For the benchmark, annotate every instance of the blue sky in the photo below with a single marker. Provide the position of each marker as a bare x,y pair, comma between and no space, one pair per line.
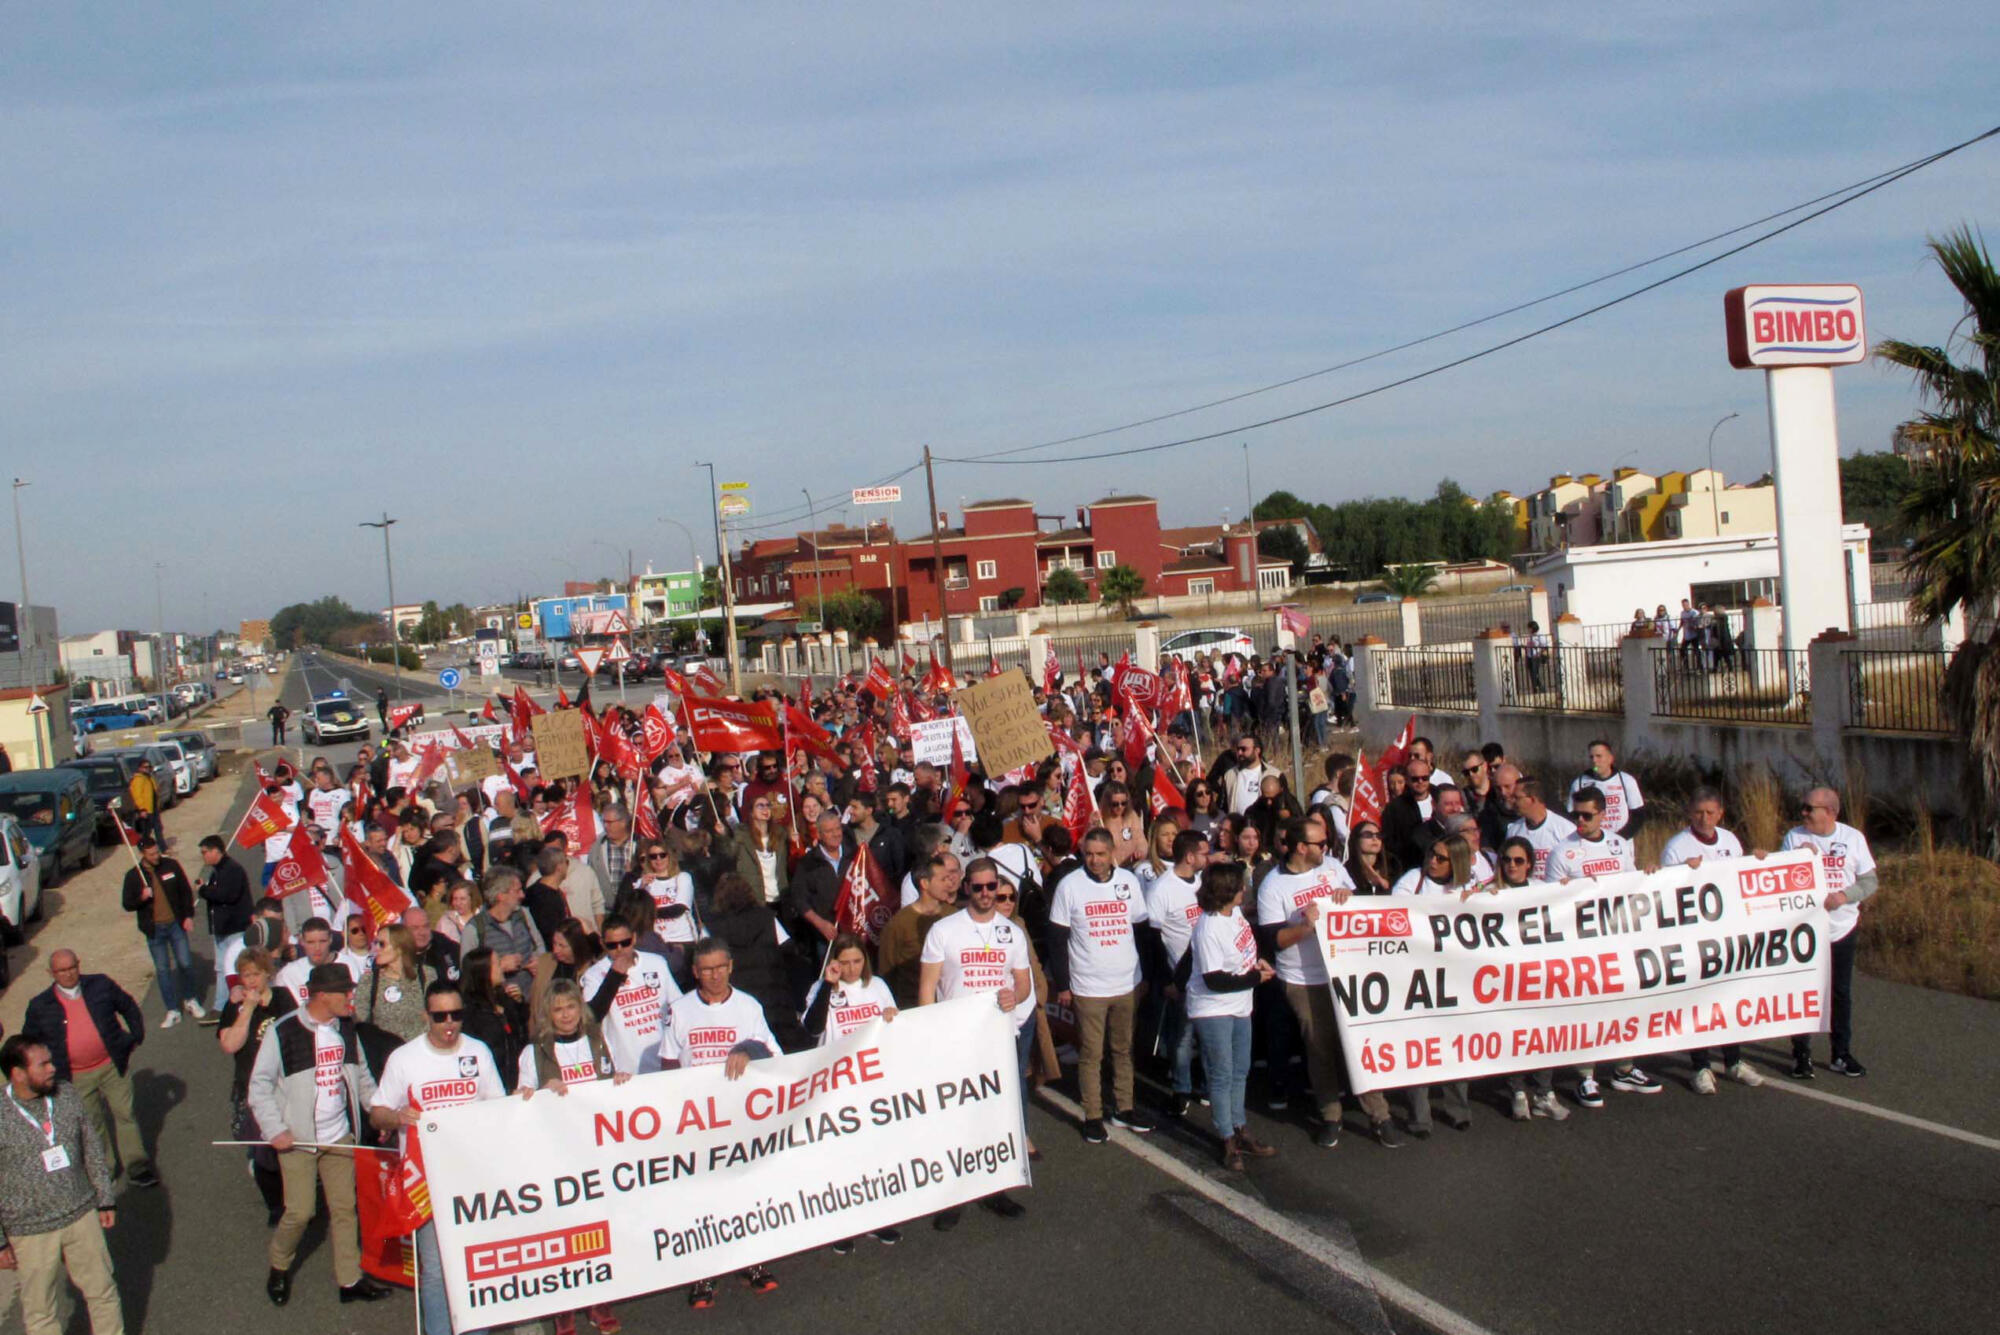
509,270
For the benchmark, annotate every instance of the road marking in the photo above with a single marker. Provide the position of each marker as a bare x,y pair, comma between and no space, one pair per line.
1393,1291
1786,1086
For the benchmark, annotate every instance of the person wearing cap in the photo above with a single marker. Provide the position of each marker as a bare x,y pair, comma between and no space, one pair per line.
312,1120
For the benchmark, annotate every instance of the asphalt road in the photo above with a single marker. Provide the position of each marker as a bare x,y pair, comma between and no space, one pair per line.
1753,1211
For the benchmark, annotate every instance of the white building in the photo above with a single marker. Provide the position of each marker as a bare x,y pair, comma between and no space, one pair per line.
1603,585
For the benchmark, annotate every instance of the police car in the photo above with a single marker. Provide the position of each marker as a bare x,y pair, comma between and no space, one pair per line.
334,718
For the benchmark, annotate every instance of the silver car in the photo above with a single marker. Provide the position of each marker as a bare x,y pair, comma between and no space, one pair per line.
199,748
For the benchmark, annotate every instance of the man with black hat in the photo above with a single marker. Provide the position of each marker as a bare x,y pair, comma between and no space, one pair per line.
308,1091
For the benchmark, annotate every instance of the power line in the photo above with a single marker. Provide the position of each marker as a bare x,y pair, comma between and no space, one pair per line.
784,517
998,458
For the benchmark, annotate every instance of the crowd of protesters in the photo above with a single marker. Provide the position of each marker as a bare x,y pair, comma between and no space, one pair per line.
1152,899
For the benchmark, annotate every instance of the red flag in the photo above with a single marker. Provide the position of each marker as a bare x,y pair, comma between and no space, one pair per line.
909,663
302,867
429,757
1296,621
1398,751
864,906
524,713
1082,668
1179,697
1062,741
585,822
1079,807
673,681
921,712
1164,796
1136,685
939,681
382,1211
487,713
562,698
1139,735
878,681
992,666
734,725
1368,792
517,781
619,751
1051,671
658,732
368,886
401,714
803,734
899,716
645,820
266,819
593,732
458,735
407,1192
865,749
702,675
961,777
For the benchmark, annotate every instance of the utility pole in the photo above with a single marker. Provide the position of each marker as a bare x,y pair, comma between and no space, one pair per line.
728,587
395,634
1714,502
819,578
160,645
937,561
1250,518
26,627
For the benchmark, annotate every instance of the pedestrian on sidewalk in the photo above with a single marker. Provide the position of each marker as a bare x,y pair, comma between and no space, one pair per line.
160,898
279,716
55,1196
90,1026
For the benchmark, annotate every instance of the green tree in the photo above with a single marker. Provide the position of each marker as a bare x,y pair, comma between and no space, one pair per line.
853,611
1953,509
1872,488
328,621
1065,586
1121,586
1410,581
1284,542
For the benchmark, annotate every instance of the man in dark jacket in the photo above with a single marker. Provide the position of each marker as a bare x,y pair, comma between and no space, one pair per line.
1403,819
90,1026
226,891
161,900
814,890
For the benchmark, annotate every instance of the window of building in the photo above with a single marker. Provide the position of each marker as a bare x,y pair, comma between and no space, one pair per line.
989,570
1106,560
1725,516
1201,586
1274,579
990,602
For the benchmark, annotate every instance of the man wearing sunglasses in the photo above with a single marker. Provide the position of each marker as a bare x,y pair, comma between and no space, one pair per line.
1591,852
441,1068
1847,869
1706,838
1243,782
628,990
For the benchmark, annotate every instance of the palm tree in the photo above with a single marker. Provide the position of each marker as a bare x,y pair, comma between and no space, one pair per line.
1409,580
1954,509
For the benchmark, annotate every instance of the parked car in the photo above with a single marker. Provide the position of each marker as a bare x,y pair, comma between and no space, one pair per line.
1376,596
163,770
20,876
334,720
185,778
199,747
107,718
1520,588
1216,642
107,774
58,814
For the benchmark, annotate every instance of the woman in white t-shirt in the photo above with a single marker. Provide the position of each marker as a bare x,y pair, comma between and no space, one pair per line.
1218,973
1159,851
672,890
848,995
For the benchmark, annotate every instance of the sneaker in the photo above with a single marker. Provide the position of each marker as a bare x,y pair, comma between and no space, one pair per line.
1632,1080
171,1019
1002,1204
1517,1106
1420,1130
1743,1073
1802,1067
1276,1103
1135,1120
1847,1066
845,1247
1177,1105
1326,1135
1704,1081
759,1280
143,1176
605,1319
565,1323
944,1221
1588,1094
701,1294
1385,1134
194,1010
1549,1106
888,1237
1094,1132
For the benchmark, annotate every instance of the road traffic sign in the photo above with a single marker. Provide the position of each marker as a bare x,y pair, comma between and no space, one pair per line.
619,653
450,678
591,659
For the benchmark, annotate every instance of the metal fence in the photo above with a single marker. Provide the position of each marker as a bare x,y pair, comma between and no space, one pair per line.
1602,635
1425,678
1885,625
1750,686
1382,620
1573,678
1897,690
1110,642
1445,620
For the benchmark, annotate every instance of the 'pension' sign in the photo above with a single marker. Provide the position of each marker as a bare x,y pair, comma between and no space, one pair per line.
1806,324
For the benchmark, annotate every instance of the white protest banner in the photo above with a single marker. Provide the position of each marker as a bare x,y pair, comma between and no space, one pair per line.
484,734
1429,988
611,1191
931,740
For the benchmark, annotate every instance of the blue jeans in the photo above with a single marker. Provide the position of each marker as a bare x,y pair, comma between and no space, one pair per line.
431,1300
1177,1042
172,964
1225,1052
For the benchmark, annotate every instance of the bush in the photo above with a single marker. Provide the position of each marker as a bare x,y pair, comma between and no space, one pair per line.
1934,921
411,660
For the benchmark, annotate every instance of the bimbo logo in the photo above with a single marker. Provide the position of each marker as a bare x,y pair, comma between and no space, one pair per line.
1806,325
1367,923
490,1260
1756,882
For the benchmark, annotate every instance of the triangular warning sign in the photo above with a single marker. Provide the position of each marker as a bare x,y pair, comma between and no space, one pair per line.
592,659
619,653
615,624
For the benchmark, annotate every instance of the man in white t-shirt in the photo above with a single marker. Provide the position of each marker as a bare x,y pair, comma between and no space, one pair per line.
1705,838
1170,903
980,950
1289,901
441,1068
327,803
1589,853
716,1024
632,1006
1847,869
1541,827
1094,922
1623,807
315,948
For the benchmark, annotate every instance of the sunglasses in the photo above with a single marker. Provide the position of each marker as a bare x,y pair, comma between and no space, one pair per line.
1516,860
1472,769
976,886
620,943
656,857
448,1017
1005,899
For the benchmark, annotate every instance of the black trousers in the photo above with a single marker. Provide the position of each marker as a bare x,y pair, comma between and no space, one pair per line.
1842,1017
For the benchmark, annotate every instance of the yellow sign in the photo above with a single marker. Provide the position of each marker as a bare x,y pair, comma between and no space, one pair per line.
736,486
524,621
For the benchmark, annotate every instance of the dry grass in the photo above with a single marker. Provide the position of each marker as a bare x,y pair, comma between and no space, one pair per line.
1935,922
1759,807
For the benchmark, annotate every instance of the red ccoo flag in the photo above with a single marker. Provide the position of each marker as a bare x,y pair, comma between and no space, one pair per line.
658,732
1368,792
878,681
368,886
734,725
266,819
1398,751
1164,796
1079,807
302,868
864,906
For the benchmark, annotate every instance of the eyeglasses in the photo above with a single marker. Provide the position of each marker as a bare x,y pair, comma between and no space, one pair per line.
448,1017
657,857
1031,807
1418,778
982,885
619,944
1472,769
1583,815
1440,857
1516,860
1005,899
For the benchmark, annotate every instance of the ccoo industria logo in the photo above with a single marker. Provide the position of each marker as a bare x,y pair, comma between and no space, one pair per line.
1798,325
490,1260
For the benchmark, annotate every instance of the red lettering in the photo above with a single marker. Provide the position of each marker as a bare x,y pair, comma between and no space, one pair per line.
1762,328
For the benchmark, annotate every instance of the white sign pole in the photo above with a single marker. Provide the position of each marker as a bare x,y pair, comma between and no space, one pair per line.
1805,449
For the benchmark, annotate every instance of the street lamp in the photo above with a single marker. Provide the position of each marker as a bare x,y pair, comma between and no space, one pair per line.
160,643
1714,503
819,579
728,591
395,634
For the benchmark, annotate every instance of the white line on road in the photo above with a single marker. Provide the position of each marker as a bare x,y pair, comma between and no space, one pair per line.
1392,1291
1886,1114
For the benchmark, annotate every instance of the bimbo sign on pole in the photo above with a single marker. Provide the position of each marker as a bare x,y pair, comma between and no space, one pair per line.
1795,334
